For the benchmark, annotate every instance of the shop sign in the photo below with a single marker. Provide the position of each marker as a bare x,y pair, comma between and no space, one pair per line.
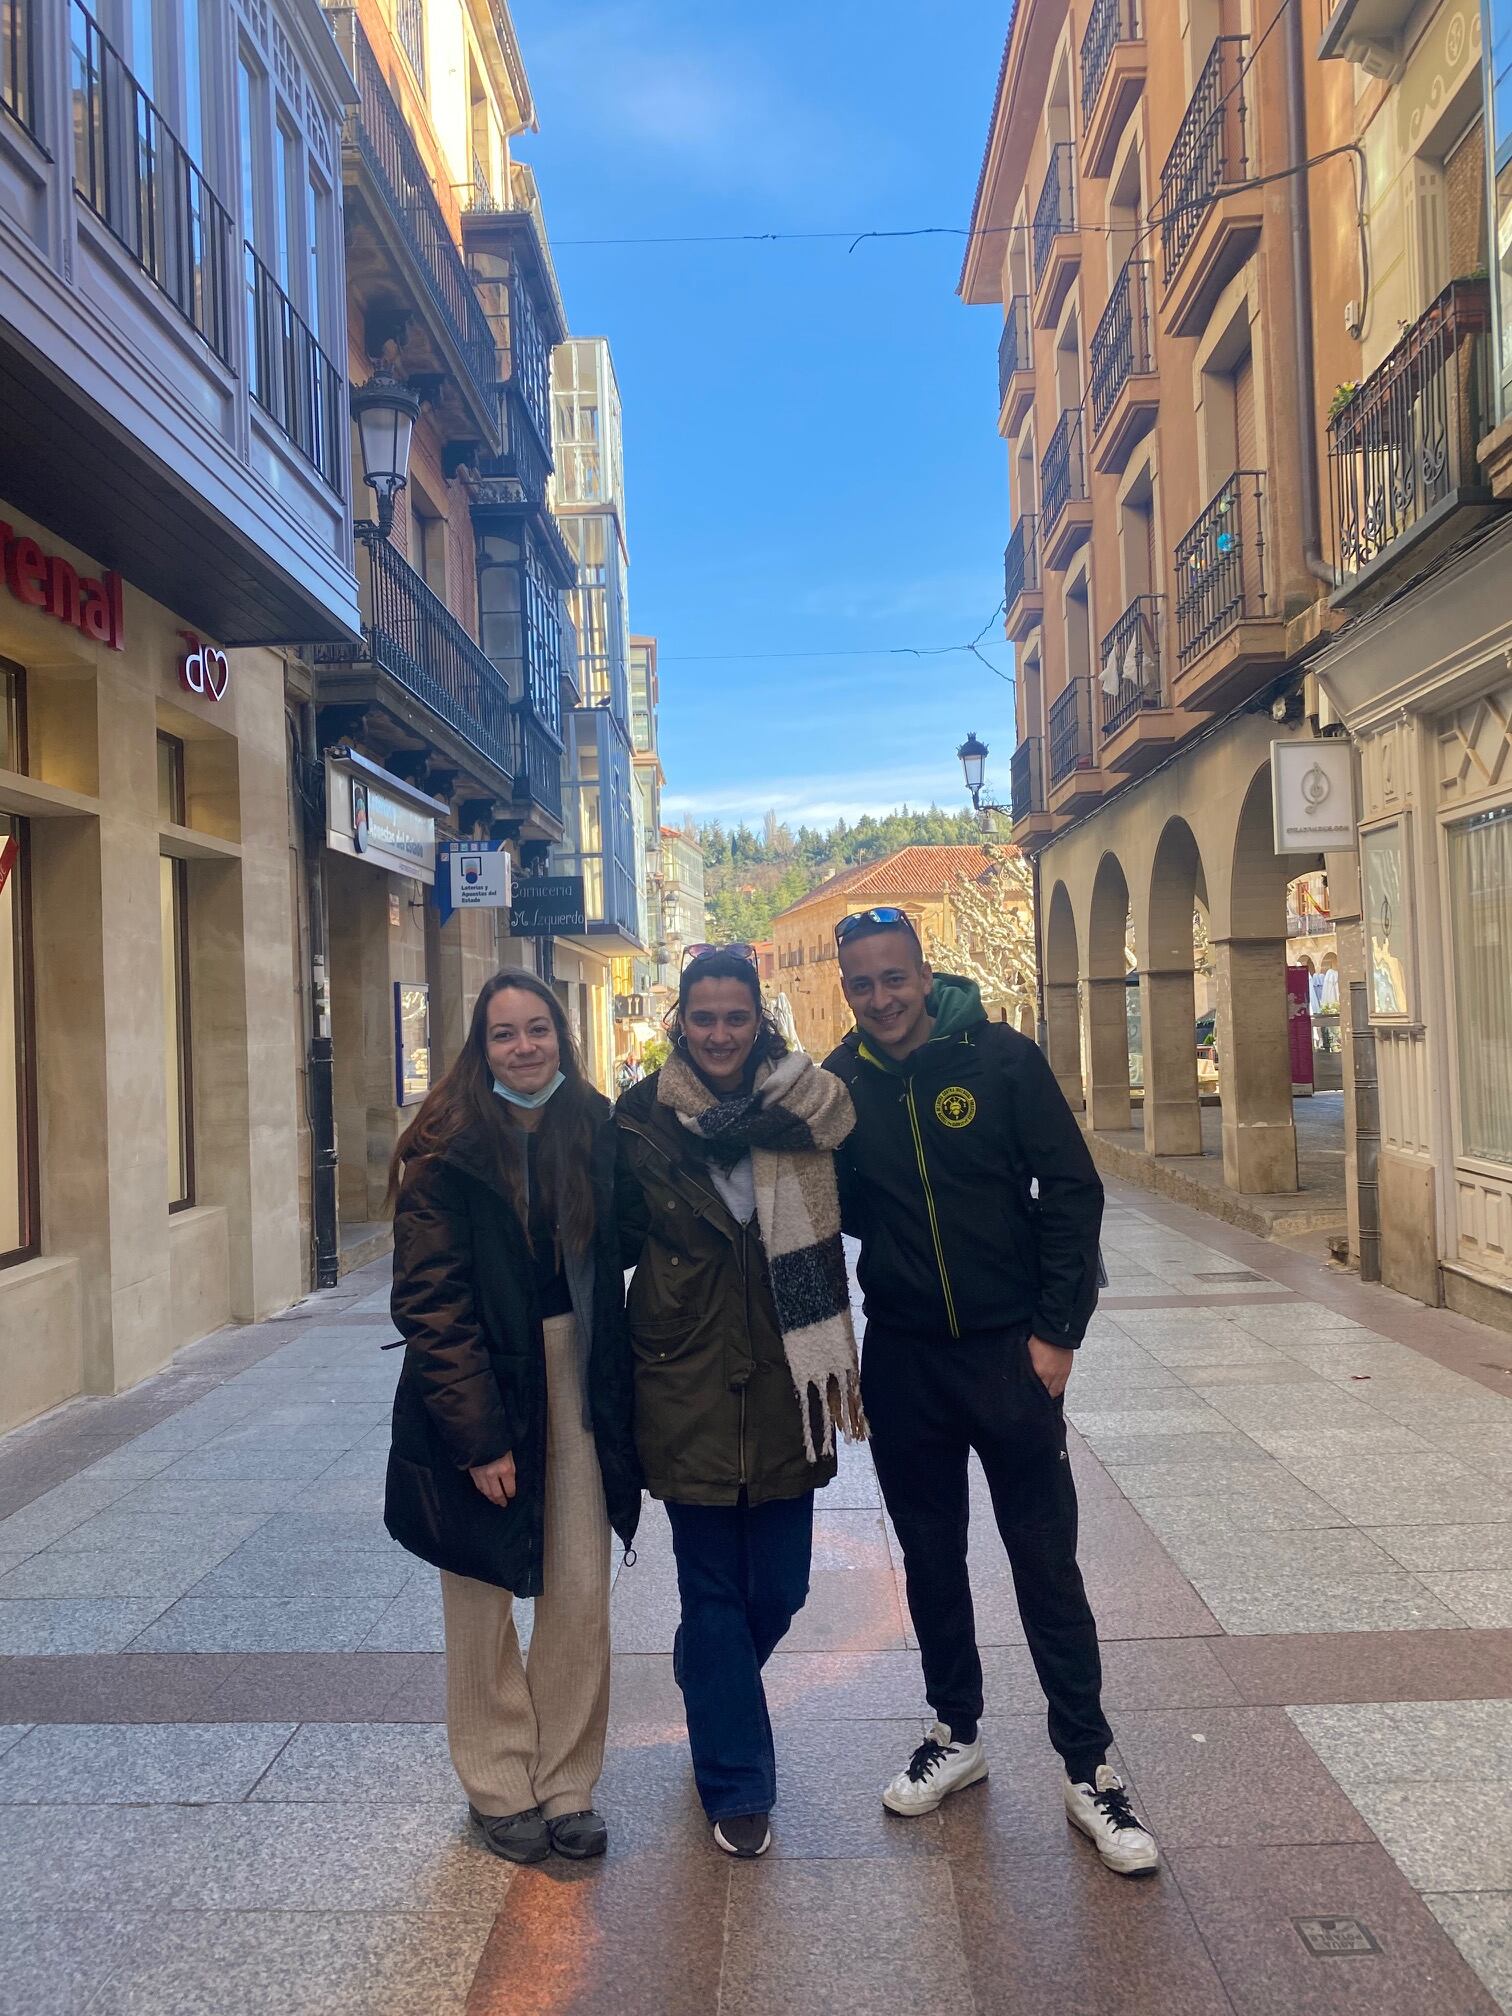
380,818
47,581
412,1057
472,875
203,669
548,906
10,851
1312,796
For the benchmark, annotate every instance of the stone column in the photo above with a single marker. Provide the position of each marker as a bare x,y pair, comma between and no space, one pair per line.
1168,1020
1064,1033
1105,1006
1254,1066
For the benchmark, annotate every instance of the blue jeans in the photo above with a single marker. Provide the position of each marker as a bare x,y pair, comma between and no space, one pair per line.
743,1575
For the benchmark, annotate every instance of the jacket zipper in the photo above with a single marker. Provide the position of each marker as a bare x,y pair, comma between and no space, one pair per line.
929,1205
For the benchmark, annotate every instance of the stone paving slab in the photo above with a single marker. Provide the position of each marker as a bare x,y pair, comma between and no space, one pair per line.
1296,1507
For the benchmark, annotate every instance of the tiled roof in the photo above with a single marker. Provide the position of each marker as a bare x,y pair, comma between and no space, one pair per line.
920,870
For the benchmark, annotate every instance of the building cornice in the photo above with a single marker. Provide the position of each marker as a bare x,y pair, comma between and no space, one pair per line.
1028,51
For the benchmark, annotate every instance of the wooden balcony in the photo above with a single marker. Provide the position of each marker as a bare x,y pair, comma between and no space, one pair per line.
1139,724
1032,821
1055,238
1065,496
1209,223
1113,62
1403,473
1015,366
1023,596
1076,782
1125,387
1230,633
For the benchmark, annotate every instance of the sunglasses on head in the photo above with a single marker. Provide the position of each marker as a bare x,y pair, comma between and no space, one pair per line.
883,918
691,953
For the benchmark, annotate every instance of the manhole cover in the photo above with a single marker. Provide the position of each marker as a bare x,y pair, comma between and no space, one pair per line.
1335,1938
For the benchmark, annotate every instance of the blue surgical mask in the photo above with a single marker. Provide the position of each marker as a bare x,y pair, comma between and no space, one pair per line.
531,1100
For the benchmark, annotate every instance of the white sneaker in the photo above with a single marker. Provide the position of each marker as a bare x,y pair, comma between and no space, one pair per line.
936,1769
1103,1813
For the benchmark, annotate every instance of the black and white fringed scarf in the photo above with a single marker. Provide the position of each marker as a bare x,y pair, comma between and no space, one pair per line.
790,1125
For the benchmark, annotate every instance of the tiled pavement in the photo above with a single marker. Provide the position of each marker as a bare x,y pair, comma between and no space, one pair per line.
224,1785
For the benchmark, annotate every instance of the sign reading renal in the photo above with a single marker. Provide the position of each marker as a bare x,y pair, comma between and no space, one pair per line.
46,581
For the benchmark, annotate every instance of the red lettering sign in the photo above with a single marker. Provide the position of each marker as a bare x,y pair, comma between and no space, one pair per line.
46,581
203,669
10,850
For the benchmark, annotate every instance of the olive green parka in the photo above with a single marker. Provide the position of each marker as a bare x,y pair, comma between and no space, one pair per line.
716,1412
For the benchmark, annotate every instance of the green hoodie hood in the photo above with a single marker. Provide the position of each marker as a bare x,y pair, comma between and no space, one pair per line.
955,1006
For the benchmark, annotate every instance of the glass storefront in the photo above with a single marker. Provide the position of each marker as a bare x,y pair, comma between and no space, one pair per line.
173,903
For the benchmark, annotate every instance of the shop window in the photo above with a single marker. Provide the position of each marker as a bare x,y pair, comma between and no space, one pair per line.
18,1134
173,901
12,719
1480,923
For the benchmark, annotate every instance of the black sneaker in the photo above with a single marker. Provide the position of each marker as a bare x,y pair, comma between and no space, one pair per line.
745,1836
578,1836
514,1837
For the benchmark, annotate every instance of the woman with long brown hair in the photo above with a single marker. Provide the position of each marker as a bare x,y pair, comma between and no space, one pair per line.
512,1453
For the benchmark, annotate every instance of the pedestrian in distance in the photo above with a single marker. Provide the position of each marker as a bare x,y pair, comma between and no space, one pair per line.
513,1454
978,1208
745,1360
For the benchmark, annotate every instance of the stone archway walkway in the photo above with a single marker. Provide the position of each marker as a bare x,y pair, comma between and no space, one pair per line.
224,1783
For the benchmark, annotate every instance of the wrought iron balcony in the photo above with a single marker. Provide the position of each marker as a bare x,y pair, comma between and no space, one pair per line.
132,172
1210,151
1221,567
410,634
1021,574
1015,345
1055,211
19,66
1027,779
538,781
392,158
1401,452
1130,660
1121,343
292,379
1110,22
1070,726
1063,471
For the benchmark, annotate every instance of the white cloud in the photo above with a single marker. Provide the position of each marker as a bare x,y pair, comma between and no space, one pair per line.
821,800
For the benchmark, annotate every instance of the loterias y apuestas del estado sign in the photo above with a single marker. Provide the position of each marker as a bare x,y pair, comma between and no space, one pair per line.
47,581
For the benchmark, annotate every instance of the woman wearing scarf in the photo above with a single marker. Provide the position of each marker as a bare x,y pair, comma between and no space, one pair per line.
745,1361
512,1454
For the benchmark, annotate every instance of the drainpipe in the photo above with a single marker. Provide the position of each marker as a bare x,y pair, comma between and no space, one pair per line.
1301,258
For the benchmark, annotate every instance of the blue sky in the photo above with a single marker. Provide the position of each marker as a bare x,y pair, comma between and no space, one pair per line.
811,460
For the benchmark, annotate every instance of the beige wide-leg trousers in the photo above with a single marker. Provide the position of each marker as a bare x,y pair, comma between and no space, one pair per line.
530,1732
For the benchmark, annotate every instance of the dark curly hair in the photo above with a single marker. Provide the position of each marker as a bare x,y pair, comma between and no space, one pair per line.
770,1041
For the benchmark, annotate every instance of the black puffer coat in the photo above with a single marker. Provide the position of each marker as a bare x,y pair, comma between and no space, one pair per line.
473,1385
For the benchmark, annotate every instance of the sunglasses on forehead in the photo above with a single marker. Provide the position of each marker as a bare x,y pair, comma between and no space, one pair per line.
691,953
884,918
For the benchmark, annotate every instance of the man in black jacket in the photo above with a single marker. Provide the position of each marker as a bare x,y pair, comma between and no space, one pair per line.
978,1210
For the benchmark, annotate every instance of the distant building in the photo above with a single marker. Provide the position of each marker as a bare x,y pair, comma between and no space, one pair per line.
685,920
917,880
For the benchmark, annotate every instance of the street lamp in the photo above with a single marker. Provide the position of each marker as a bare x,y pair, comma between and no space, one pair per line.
973,755
385,410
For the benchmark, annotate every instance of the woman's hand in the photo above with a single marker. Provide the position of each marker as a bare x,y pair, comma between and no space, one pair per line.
496,1480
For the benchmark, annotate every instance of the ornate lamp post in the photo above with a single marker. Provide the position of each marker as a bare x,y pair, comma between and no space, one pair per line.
385,410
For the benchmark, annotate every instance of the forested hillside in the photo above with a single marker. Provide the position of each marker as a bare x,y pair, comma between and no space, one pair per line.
750,875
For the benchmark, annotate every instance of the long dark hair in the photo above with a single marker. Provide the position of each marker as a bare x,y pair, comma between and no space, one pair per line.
464,1102
770,1041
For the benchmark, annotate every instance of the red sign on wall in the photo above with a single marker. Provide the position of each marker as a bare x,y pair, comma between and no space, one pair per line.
47,581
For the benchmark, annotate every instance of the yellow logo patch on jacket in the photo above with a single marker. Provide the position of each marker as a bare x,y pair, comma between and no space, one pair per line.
955,1107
